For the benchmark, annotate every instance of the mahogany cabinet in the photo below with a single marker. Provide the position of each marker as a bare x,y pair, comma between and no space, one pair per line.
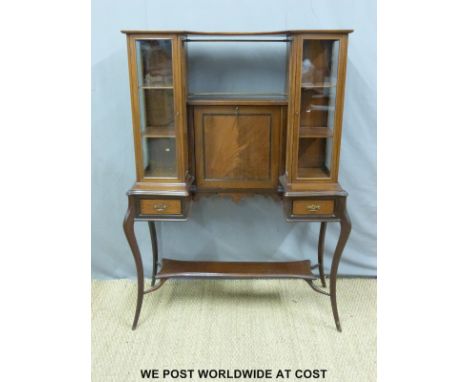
237,114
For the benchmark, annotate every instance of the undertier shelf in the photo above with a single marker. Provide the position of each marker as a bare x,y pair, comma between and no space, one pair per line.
235,270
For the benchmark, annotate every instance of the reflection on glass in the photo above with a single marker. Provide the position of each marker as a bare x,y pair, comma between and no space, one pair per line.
316,107
158,110
319,71
319,62
159,157
238,69
154,60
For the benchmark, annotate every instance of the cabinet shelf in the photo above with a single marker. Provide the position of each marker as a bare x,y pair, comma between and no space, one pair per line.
159,132
313,172
160,172
160,87
316,108
237,96
315,132
318,85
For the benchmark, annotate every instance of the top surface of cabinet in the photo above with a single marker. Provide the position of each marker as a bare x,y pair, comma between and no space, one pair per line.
293,31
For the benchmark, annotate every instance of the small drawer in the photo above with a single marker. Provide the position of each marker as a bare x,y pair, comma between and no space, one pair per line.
160,207
313,207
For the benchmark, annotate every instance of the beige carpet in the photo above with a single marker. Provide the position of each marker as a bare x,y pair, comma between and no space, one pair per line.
238,324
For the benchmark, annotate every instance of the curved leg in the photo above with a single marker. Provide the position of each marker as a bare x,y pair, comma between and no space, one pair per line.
344,234
154,246
321,243
311,283
129,230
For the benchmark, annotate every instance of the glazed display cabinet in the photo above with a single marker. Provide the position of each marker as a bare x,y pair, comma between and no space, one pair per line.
233,115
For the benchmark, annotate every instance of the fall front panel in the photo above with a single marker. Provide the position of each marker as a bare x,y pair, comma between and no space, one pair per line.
237,146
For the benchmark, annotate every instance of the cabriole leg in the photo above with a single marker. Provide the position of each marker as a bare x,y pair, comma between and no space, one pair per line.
321,244
154,246
129,230
345,224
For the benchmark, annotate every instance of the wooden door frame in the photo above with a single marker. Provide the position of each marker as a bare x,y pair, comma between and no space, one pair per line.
180,117
295,105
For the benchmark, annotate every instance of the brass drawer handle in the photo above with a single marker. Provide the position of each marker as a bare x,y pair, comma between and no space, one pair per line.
313,207
160,207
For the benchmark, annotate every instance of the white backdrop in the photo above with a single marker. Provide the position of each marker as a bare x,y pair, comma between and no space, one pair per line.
219,229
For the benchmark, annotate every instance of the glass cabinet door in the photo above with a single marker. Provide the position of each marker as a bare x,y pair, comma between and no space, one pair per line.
318,80
156,101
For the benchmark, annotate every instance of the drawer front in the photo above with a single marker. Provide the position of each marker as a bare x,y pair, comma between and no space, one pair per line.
313,207
160,207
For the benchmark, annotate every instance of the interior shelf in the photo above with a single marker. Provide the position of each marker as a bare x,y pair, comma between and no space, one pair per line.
317,108
315,132
159,132
319,85
160,172
237,96
237,101
158,87
222,270
313,172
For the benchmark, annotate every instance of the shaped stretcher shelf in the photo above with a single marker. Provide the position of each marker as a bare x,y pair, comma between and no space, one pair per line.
236,270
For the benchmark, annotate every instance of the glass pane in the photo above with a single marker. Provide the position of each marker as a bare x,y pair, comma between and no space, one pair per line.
313,158
237,69
159,157
319,71
158,110
155,57
157,120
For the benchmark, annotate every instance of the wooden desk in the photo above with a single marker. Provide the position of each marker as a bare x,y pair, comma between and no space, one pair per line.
193,144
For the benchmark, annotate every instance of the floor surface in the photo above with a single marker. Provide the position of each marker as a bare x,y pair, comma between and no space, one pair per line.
234,324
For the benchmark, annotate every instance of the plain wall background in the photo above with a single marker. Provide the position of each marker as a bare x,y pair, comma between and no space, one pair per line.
219,229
